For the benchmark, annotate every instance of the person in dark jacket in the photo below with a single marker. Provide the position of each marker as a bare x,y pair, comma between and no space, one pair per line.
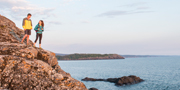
39,28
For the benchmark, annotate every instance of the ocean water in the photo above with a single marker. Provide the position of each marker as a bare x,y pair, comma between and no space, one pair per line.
159,73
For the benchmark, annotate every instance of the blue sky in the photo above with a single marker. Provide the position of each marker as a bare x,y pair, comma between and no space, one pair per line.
140,27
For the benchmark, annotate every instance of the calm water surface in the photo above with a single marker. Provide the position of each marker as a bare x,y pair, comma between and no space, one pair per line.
159,73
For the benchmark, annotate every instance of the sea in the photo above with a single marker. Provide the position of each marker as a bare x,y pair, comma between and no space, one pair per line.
159,73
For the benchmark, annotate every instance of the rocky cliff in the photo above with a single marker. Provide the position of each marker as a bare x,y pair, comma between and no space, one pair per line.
27,68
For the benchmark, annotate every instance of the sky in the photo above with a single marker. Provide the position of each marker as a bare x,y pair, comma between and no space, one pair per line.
133,27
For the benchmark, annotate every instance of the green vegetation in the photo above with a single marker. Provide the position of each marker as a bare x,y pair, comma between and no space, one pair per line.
79,56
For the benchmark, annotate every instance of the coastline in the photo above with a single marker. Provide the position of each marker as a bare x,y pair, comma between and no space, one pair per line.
93,60
89,57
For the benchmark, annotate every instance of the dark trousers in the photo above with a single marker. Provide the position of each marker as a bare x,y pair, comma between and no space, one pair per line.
40,38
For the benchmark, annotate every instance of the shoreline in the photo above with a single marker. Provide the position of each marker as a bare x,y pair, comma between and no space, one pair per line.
92,60
89,57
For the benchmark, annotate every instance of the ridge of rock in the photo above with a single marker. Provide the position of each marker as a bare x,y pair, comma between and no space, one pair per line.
26,67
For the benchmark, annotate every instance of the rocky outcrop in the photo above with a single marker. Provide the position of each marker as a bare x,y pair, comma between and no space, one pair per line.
125,80
93,89
24,67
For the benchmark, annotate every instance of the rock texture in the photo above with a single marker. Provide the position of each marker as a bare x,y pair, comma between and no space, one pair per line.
24,67
125,80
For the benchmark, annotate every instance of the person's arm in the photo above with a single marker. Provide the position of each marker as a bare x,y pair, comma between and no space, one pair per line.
42,29
23,24
36,27
31,24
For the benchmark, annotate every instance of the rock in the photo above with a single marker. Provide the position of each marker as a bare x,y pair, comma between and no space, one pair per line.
47,56
93,89
25,67
92,79
125,80
29,51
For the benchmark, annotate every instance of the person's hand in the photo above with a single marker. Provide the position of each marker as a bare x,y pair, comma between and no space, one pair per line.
24,29
42,29
38,28
31,28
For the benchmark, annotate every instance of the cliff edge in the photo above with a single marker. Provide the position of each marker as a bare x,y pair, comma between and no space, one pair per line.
27,68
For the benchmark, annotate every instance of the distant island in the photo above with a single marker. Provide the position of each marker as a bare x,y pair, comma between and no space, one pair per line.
88,56
138,56
141,56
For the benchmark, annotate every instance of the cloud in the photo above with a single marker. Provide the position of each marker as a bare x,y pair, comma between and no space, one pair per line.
134,4
143,12
113,13
136,8
143,8
54,22
11,3
22,7
85,22
118,13
67,1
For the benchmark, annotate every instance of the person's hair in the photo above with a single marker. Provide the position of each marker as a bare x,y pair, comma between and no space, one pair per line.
29,14
42,23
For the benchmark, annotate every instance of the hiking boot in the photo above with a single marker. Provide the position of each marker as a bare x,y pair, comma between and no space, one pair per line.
34,46
28,45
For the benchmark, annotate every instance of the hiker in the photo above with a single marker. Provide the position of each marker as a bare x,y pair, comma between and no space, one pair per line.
27,25
39,28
